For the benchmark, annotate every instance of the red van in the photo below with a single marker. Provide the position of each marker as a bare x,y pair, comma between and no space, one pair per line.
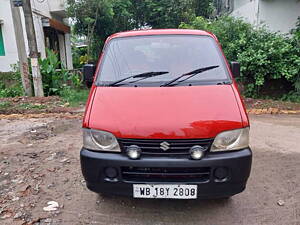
164,118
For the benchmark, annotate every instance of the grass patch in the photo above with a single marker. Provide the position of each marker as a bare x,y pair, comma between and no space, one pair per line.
10,84
74,97
31,106
5,105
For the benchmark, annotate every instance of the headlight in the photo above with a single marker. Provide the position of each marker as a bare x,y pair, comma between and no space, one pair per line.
100,141
231,140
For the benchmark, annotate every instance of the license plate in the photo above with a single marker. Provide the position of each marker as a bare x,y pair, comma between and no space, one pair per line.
174,191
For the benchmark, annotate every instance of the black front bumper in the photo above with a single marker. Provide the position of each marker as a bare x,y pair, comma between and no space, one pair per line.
237,164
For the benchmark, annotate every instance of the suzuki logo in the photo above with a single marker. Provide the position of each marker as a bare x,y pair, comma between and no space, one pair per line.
165,146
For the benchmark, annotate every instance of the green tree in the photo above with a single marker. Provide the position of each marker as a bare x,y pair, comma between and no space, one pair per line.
204,8
97,19
167,13
266,58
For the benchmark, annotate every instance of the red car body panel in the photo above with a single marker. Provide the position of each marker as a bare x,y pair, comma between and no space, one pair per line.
160,32
165,112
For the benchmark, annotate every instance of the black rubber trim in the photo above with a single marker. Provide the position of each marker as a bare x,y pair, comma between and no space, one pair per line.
238,164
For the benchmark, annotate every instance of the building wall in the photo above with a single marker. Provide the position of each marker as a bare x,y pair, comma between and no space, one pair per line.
11,53
49,8
40,10
277,15
8,32
41,7
246,9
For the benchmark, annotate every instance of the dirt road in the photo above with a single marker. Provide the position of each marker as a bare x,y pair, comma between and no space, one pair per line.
39,163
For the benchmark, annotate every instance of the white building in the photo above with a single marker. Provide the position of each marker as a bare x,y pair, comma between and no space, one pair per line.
277,15
52,31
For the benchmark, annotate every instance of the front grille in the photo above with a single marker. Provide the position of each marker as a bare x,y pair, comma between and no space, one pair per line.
176,146
158,174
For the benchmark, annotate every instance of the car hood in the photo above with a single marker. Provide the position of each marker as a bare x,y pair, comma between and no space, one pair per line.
165,112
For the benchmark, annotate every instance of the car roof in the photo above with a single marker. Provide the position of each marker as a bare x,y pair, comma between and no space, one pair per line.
161,32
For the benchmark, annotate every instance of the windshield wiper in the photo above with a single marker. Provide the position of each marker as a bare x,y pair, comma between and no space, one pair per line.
192,74
141,75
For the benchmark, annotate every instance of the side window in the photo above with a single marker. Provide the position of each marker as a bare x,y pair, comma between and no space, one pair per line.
2,51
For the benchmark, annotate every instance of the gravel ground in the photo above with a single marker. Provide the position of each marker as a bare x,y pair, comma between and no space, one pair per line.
39,163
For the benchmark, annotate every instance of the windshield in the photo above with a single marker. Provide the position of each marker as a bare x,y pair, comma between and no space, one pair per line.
176,54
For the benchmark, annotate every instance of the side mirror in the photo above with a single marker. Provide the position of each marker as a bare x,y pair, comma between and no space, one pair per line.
88,74
235,69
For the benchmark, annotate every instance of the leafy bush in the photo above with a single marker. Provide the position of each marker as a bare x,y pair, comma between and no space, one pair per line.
80,56
31,106
296,42
10,83
55,76
264,56
292,96
5,105
11,91
56,81
73,96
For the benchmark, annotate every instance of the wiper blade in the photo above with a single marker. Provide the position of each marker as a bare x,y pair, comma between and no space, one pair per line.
141,75
192,74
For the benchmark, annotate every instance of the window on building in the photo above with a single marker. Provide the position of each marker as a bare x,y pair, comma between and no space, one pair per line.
2,51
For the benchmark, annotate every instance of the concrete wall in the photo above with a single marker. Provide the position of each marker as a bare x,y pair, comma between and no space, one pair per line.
11,53
48,8
57,5
246,9
41,7
277,15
